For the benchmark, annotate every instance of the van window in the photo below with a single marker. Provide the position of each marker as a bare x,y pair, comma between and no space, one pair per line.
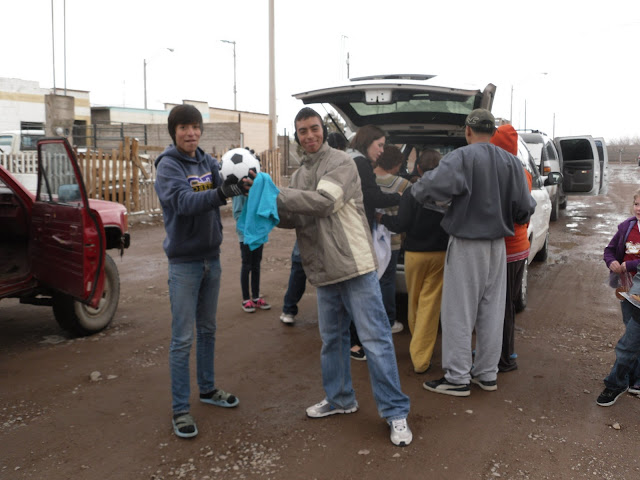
29,141
551,152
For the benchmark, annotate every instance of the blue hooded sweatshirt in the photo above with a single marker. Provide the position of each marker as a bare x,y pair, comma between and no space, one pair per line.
187,189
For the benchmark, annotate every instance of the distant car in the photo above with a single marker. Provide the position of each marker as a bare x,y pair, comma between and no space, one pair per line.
53,241
585,164
418,112
546,157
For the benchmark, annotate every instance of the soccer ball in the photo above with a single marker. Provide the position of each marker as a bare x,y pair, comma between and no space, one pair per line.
238,162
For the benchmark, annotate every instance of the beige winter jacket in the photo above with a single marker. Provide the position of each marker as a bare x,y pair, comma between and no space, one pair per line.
324,205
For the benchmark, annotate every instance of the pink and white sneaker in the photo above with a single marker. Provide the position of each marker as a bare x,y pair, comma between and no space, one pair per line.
261,304
248,306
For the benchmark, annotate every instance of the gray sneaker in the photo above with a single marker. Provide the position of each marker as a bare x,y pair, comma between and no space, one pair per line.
400,432
487,385
287,318
324,409
397,327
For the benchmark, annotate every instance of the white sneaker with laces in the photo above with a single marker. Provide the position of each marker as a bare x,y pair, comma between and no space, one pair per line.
288,318
400,432
397,327
324,409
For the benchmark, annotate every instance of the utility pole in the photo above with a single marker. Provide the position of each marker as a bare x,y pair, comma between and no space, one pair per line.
233,42
273,131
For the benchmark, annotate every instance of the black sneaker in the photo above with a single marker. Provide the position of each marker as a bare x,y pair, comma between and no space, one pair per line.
487,385
358,354
443,386
609,396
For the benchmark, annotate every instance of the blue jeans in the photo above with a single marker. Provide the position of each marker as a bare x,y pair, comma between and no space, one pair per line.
627,311
626,370
388,286
193,292
359,297
297,283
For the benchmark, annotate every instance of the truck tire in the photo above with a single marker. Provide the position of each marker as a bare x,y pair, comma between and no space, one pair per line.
80,319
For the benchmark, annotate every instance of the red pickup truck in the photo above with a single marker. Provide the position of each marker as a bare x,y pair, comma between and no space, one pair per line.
53,242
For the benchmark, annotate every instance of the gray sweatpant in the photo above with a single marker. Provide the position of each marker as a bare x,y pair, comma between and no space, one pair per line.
473,296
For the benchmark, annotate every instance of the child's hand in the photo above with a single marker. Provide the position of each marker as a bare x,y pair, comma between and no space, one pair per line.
615,267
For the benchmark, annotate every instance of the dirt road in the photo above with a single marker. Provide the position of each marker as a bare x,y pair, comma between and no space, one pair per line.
58,423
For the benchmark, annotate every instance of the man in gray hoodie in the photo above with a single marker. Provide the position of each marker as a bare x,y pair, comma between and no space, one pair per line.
485,191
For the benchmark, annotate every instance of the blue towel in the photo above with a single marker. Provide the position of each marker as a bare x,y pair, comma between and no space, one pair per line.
260,214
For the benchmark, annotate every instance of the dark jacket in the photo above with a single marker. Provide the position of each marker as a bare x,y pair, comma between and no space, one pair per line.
424,233
372,196
186,188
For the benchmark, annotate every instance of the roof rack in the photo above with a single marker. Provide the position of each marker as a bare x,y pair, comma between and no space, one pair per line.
396,76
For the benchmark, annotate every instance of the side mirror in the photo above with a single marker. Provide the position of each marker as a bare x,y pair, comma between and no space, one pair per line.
69,193
554,178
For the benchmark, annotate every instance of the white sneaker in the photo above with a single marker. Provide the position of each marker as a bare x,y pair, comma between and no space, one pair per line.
324,409
397,327
288,318
400,432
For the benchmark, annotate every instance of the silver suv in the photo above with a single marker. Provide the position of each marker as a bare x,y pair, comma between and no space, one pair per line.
419,112
546,157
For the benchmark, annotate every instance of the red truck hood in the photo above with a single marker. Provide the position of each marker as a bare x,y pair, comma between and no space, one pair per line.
111,213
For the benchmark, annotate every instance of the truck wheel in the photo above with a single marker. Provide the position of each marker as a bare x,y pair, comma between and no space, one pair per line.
81,319
521,302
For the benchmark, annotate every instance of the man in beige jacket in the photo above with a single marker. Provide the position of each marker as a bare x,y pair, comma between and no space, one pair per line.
324,205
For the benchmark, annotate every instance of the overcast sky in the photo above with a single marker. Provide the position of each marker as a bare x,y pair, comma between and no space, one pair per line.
572,61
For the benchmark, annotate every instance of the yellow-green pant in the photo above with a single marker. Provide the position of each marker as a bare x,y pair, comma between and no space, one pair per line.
424,273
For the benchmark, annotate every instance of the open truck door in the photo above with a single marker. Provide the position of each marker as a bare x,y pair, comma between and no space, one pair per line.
67,238
604,164
581,166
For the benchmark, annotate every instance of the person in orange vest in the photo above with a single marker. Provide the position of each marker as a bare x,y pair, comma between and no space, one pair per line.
517,256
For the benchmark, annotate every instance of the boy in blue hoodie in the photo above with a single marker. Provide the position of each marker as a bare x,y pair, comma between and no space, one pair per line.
190,191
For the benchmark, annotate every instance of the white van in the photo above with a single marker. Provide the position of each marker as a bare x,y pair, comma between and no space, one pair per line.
17,141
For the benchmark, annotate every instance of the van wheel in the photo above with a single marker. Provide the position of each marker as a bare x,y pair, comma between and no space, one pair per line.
80,319
521,302
555,206
542,255
562,198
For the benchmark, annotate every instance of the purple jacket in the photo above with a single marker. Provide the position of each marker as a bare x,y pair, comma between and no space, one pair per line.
615,249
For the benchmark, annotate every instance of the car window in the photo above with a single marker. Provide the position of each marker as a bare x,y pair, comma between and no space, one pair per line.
551,151
528,163
58,182
418,102
536,151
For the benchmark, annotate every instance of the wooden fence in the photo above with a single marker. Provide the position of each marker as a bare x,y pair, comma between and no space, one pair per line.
123,175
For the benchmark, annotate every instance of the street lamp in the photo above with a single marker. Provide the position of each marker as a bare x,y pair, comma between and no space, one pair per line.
233,42
145,62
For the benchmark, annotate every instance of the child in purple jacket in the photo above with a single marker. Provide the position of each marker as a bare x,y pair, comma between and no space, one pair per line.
622,255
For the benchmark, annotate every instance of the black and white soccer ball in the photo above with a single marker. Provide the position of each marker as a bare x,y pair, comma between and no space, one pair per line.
238,162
